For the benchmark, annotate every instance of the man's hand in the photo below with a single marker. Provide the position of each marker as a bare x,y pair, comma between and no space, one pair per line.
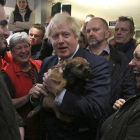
37,90
49,84
117,105
21,130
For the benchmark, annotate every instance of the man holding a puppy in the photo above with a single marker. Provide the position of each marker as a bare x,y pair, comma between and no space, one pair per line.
86,102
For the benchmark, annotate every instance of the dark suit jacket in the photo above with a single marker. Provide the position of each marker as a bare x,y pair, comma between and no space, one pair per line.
46,50
87,101
9,119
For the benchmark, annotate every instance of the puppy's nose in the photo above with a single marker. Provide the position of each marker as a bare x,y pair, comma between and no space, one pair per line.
88,72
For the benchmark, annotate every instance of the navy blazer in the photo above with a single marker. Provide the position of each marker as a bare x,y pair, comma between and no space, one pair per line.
87,101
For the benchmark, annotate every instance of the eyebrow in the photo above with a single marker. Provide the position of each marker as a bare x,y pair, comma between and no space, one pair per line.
3,22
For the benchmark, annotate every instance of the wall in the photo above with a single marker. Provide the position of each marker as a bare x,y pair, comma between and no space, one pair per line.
37,9
45,11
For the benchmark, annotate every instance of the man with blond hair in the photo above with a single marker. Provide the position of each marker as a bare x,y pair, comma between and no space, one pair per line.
85,102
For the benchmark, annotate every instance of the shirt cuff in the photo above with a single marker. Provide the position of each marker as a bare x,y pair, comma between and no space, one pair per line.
31,99
59,98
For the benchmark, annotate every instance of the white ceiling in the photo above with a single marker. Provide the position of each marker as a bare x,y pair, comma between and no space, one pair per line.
107,9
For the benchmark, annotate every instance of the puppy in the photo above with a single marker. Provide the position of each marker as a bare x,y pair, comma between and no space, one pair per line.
73,69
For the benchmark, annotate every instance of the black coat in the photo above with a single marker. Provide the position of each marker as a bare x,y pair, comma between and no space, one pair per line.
126,123
128,48
123,83
35,51
9,119
46,50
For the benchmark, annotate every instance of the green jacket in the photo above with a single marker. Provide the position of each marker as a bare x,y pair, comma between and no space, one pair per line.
126,122
10,121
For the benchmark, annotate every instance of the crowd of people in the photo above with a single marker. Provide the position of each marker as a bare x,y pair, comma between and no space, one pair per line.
104,107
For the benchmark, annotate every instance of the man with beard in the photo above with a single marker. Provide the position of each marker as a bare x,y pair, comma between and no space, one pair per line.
5,57
10,121
123,36
123,83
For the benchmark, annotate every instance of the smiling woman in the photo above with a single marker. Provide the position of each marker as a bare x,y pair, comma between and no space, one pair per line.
21,18
20,75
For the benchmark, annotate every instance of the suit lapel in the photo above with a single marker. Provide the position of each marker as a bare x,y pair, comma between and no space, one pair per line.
79,53
53,62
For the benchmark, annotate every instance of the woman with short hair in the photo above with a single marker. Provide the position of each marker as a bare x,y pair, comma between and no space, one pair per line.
20,75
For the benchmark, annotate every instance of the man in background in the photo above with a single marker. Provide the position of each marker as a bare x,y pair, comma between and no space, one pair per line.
82,41
89,17
123,36
36,36
46,49
123,82
126,122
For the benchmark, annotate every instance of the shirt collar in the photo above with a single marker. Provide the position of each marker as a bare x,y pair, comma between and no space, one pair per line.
107,49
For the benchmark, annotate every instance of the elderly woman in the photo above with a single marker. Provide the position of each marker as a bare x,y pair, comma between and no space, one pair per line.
20,75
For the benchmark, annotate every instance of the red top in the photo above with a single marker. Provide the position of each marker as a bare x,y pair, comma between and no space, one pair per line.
23,83
5,60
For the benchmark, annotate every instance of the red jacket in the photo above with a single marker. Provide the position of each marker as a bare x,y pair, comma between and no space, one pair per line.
5,60
21,81
22,84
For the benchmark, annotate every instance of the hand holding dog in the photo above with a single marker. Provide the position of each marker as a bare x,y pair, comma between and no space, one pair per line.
37,90
49,84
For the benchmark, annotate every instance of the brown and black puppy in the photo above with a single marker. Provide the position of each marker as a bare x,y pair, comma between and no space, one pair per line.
73,69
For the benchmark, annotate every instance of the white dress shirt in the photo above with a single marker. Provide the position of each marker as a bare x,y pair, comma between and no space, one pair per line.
58,99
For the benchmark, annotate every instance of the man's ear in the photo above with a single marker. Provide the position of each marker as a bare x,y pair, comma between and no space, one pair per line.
132,34
107,34
76,37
